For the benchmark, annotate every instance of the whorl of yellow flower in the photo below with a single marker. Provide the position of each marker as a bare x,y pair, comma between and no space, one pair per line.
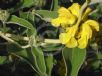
79,33
70,37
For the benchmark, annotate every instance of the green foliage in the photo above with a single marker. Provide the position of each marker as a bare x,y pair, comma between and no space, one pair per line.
21,22
39,60
30,46
27,3
47,14
49,64
74,59
3,60
56,5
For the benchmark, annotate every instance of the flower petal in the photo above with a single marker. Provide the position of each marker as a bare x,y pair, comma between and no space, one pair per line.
86,30
72,43
94,24
82,42
64,38
62,21
75,9
55,22
71,31
64,12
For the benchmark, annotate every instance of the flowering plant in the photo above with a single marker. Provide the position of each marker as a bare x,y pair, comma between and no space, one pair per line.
47,34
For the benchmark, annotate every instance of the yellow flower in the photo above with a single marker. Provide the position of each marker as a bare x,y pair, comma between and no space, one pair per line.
65,18
86,33
68,38
75,9
77,33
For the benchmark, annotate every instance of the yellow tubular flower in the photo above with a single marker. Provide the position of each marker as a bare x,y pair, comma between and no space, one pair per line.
69,38
65,18
85,35
75,9
93,24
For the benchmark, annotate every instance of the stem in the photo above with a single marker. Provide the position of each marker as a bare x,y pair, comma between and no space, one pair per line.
18,37
54,41
12,41
38,15
8,36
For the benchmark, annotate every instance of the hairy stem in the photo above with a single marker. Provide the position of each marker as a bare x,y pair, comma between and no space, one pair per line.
55,41
12,41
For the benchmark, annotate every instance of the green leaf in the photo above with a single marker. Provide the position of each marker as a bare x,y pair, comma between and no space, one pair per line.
22,22
52,47
96,64
47,14
27,3
55,5
99,8
99,56
49,64
12,48
25,55
74,58
28,16
39,59
97,13
3,59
